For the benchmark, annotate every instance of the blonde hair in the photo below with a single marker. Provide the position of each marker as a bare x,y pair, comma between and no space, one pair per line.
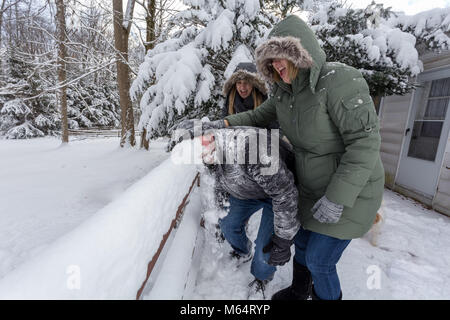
257,99
292,72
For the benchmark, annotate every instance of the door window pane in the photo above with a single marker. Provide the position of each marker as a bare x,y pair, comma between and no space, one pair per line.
430,116
440,88
436,109
425,140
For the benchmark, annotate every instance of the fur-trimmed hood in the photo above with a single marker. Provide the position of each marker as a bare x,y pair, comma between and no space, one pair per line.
245,71
293,40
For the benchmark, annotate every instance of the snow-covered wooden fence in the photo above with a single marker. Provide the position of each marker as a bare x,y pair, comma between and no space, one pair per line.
175,221
98,132
107,256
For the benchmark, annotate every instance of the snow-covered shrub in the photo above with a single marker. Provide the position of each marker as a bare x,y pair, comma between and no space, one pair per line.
91,105
431,28
363,38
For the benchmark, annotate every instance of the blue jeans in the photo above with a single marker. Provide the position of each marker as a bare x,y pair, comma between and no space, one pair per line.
233,228
320,254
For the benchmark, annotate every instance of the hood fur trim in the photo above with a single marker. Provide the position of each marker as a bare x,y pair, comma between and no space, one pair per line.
253,78
289,48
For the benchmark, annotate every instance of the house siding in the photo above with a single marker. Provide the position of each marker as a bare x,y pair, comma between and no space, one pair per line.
441,201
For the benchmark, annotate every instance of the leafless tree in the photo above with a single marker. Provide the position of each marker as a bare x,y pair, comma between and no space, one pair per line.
122,26
61,62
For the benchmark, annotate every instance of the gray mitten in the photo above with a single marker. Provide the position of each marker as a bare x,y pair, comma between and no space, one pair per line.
326,211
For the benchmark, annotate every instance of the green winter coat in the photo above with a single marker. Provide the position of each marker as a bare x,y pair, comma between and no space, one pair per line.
329,117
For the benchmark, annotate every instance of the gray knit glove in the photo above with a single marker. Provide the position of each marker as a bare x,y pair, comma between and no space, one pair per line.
326,211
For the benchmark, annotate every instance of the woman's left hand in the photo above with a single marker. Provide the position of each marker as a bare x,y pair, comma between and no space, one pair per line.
326,211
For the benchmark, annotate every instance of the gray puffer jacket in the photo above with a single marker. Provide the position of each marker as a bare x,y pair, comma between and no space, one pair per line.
258,173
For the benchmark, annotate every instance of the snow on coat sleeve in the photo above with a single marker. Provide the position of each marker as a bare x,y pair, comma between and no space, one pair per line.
281,188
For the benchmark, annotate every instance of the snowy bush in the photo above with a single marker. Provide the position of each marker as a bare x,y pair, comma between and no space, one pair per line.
91,105
23,131
431,28
362,38
182,77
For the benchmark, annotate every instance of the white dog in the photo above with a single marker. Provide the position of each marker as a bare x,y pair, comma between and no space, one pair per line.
374,231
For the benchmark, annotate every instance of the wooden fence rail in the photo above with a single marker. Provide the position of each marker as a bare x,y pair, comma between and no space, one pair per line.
98,132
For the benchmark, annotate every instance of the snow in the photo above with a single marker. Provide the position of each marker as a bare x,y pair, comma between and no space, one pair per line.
219,32
420,22
171,284
241,54
401,43
410,259
47,190
205,86
94,215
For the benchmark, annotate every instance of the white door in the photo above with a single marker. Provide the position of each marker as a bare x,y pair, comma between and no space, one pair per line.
426,134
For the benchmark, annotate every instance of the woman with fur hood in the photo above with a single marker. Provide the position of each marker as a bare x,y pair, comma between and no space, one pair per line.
326,112
245,90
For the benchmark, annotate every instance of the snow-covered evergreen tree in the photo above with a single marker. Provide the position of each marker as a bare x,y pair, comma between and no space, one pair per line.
363,38
92,105
28,105
182,77
28,110
431,28
22,116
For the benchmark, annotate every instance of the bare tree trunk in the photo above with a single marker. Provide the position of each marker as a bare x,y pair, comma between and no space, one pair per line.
2,9
121,32
376,102
150,20
61,92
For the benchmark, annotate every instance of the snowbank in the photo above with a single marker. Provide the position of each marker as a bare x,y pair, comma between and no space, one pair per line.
106,257
47,190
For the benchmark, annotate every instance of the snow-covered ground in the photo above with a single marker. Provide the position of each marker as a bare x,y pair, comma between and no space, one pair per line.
53,198
47,189
410,259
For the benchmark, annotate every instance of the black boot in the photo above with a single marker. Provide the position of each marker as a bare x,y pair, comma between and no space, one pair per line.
300,289
315,297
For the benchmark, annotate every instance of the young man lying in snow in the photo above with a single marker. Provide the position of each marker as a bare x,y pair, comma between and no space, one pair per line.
250,167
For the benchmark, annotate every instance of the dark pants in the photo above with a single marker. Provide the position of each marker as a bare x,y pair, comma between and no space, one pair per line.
320,254
233,228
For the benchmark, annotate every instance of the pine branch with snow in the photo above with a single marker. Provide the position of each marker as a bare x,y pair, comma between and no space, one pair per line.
431,28
363,38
